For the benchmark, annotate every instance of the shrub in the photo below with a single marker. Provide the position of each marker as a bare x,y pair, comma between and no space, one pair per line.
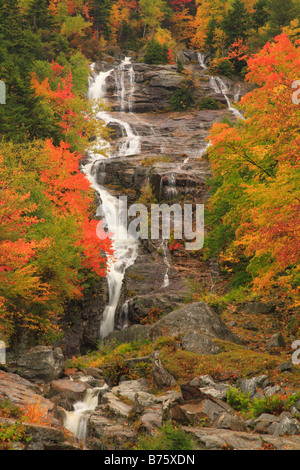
168,437
113,372
165,342
237,400
183,98
179,66
221,67
208,103
156,53
273,405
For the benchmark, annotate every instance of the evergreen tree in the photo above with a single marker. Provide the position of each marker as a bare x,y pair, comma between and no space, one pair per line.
282,12
156,53
237,22
212,24
261,14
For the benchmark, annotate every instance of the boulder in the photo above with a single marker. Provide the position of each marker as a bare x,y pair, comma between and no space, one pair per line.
199,343
20,392
203,387
197,317
220,439
42,363
162,378
114,406
250,386
65,392
258,308
152,418
135,389
288,426
206,413
105,434
129,335
276,341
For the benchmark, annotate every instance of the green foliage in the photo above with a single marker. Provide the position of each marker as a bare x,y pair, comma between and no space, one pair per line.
274,404
179,66
223,67
236,23
165,342
281,13
237,399
168,437
155,53
183,98
12,432
208,103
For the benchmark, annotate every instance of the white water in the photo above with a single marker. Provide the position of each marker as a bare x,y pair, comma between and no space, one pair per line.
113,209
219,87
125,247
171,190
163,247
132,141
76,420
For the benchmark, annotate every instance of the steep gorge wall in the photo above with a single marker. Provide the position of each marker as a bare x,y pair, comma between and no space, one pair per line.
172,163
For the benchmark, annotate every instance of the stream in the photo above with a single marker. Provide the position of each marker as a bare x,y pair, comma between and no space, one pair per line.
124,245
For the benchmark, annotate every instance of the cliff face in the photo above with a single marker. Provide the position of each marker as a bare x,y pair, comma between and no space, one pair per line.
157,156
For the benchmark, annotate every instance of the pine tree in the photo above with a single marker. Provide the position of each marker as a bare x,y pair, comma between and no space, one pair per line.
261,14
236,23
282,12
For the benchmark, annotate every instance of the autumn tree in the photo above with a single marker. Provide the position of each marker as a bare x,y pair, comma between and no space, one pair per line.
255,187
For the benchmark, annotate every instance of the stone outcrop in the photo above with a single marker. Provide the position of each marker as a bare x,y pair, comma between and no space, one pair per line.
196,323
26,395
41,363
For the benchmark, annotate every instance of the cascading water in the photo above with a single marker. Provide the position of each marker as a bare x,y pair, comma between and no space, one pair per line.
219,87
171,190
163,247
125,246
76,420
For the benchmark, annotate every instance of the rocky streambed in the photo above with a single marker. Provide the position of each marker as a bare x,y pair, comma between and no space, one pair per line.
93,408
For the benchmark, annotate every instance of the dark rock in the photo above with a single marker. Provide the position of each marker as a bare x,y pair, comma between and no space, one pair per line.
128,335
288,426
258,307
66,392
251,386
42,363
199,343
197,317
162,378
284,366
276,341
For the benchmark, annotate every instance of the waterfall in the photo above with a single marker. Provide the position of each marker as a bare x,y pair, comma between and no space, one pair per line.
120,83
163,247
219,87
97,87
124,315
132,88
171,191
201,60
125,246
76,421
132,142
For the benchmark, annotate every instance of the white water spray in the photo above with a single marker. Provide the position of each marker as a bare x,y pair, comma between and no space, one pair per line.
125,247
219,87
